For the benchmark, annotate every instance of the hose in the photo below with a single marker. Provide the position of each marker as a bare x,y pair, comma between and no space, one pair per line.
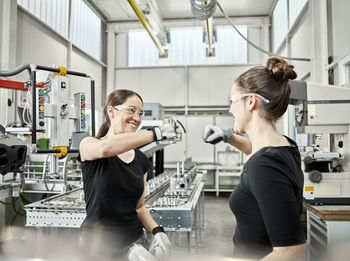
181,126
16,70
255,46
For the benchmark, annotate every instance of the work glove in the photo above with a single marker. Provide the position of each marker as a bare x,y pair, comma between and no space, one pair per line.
213,134
157,133
168,131
160,245
139,253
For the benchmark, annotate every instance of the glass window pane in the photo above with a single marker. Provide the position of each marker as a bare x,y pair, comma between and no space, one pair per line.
86,29
279,23
187,48
51,12
295,7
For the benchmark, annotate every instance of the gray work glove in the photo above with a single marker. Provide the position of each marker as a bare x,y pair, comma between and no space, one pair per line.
213,134
160,245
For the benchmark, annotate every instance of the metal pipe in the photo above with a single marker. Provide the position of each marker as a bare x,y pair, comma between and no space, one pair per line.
209,31
77,74
33,82
16,70
147,26
57,70
92,107
53,151
45,68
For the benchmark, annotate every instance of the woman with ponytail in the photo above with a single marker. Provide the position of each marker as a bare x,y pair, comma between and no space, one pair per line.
114,174
267,203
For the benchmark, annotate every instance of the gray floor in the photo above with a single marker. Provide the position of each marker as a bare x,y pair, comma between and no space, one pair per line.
219,226
216,235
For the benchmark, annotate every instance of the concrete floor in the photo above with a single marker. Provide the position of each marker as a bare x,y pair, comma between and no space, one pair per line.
216,235
219,226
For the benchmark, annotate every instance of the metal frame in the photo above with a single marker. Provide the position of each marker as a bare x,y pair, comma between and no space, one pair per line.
324,235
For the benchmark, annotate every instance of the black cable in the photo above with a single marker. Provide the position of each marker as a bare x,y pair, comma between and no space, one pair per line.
181,126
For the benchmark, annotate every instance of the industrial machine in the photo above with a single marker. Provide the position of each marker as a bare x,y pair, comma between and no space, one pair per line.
324,109
49,111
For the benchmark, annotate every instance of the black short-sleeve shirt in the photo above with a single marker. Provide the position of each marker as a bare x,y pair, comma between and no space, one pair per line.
112,189
267,203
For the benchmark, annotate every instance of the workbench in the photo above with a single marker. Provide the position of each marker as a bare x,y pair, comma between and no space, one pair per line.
327,227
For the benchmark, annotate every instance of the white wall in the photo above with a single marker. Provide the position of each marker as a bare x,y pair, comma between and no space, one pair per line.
36,44
196,148
165,85
207,85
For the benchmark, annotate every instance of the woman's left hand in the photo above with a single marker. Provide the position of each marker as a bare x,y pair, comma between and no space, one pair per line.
160,245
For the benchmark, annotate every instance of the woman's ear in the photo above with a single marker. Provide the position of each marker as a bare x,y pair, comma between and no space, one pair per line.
251,102
110,112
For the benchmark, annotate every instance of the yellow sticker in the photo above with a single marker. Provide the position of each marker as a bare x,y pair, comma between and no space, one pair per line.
309,188
312,110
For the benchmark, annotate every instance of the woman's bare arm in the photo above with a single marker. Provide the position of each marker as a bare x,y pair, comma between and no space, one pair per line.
92,148
241,143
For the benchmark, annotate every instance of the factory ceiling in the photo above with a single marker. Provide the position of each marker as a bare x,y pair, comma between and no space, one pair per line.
119,10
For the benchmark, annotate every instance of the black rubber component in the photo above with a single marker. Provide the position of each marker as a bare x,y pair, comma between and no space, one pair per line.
315,176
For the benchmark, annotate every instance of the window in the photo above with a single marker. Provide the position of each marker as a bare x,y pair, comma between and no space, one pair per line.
86,29
187,48
295,7
279,23
53,12
86,25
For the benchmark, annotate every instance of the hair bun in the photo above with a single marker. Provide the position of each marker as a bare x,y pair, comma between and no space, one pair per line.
280,69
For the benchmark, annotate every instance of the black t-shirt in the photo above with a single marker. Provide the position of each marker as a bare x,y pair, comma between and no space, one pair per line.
112,189
267,203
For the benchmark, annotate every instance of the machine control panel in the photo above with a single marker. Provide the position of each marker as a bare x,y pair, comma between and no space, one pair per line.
80,105
40,122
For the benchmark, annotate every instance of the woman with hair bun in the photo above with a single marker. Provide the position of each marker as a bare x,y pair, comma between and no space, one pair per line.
267,203
114,175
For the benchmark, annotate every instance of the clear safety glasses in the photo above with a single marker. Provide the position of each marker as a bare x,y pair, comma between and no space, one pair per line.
236,97
131,110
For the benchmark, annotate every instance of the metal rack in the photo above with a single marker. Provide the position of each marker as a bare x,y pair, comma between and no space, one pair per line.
68,209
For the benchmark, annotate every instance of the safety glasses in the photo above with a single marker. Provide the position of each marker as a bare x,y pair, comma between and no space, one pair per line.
131,110
236,97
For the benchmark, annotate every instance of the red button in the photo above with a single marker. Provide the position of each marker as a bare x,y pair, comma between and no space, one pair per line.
83,105
41,100
311,117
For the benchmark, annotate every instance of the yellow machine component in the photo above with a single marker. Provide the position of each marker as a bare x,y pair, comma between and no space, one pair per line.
209,32
147,26
309,188
63,71
63,149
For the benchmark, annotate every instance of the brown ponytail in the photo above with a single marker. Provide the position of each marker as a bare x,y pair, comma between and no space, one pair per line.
116,97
